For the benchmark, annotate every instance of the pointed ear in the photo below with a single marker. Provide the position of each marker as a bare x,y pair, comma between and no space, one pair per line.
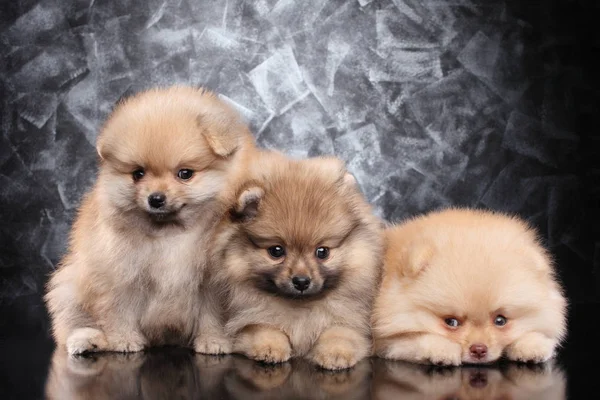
247,205
99,150
103,149
349,180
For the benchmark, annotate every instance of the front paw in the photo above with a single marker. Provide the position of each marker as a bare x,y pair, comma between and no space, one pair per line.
534,348
270,353
84,340
445,359
335,355
209,344
129,343
429,350
269,347
440,351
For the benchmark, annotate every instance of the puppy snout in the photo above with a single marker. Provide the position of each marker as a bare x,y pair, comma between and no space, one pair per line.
157,200
478,350
301,283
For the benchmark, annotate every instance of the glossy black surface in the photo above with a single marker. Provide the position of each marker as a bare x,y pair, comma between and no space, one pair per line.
32,369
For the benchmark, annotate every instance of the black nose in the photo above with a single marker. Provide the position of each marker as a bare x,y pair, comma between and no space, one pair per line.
157,199
301,282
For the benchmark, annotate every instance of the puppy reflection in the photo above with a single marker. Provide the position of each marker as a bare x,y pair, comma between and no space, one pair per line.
394,380
297,379
181,374
163,374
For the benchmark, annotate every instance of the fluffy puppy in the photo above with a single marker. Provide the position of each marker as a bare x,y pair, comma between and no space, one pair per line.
467,286
133,275
300,253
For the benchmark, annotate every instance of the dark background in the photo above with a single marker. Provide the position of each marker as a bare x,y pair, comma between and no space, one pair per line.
432,103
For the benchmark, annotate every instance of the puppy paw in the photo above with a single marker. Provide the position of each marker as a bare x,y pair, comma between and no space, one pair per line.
441,351
84,340
339,348
271,353
130,343
426,349
269,346
445,359
335,356
533,347
209,344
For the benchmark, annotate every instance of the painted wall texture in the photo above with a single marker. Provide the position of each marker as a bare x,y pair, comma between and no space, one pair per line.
431,103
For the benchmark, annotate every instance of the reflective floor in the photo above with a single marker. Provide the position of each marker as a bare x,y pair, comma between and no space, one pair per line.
173,373
30,368
178,374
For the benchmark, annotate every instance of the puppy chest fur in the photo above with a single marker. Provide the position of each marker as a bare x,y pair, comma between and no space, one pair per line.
154,282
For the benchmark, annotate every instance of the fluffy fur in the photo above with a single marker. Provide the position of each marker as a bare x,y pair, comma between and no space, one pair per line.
300,206
133,276
472,266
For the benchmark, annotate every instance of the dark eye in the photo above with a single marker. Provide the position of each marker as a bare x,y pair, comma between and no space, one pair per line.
138,174
322,253
185,174
500,320
276,251
452,322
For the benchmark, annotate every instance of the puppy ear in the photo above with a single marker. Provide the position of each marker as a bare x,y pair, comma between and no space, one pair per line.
99,150
247,204
405,256
102,149
221,133
418,258
221,124
349,180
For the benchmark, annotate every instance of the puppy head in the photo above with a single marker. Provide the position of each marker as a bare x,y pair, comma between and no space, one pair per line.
165,153
477,278
301,230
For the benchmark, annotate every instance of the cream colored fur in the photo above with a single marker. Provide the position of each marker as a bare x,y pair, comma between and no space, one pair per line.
472,266
130,280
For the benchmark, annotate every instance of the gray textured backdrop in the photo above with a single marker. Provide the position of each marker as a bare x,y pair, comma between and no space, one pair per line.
432,103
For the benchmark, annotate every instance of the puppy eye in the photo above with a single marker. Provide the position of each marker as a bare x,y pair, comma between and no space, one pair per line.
276,251
322,253
500,320
138,174
185,174
452,322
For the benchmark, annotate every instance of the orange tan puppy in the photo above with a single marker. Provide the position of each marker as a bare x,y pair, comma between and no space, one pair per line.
467,286
134,273
301,253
